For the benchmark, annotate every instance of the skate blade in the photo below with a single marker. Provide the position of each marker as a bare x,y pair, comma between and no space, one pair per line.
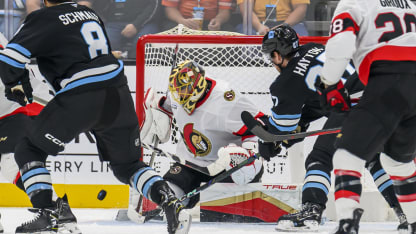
403,231
288,226
41,232
67,228
185,220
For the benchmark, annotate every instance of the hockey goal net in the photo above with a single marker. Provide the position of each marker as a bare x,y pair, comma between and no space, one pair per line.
226,56
234,58
238,60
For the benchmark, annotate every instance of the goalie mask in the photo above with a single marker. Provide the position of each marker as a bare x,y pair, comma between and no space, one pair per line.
282,39
187,84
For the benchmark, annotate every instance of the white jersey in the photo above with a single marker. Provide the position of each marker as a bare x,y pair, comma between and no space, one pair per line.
40,91
367,31
216,122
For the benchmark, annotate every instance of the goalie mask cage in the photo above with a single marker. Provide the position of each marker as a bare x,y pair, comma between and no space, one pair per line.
234,58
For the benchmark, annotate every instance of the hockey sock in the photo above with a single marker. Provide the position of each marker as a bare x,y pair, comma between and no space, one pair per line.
348,188
403,176
38,184
316,185
383,182
143,181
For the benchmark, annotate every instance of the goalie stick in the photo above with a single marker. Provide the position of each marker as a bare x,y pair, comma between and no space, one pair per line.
208,184
219,178
255,127
211,170
139,207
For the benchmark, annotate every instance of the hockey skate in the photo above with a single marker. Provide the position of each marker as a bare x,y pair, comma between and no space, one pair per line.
45,221
404,225
67,221
308,218
350,226
1,227
179,220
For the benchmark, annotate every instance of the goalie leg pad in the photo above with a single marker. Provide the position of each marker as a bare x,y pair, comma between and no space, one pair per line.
8,167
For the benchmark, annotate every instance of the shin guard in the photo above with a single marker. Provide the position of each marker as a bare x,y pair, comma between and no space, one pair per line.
348,170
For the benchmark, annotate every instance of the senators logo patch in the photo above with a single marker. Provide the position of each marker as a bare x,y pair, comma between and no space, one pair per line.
198,144
229,95
175,170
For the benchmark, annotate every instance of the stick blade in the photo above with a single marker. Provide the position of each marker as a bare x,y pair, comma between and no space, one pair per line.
248,120
255,127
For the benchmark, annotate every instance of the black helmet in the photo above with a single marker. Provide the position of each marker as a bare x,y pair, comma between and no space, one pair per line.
283,39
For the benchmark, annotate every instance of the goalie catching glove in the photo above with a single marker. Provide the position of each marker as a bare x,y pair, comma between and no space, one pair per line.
333,97
21,91
157,121
237,155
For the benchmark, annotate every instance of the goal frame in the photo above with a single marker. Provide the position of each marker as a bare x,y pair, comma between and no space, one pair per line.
191,39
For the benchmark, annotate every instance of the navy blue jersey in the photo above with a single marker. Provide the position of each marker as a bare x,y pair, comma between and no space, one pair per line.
293,92
70,45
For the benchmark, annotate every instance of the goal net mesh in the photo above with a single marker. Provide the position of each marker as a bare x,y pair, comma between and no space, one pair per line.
227,56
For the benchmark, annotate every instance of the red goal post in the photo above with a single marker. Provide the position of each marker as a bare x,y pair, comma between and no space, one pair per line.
147,42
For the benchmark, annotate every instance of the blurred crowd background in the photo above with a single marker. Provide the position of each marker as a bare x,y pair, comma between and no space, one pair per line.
127,20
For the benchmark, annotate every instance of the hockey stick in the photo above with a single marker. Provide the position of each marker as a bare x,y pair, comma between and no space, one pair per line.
208,184
255,127
219,177
211,170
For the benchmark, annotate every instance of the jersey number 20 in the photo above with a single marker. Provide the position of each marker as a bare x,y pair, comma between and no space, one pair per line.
95,38
392,18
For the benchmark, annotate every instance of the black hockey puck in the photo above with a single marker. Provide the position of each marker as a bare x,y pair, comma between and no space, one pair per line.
101,195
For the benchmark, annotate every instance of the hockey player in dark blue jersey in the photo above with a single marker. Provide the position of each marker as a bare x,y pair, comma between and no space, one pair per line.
74,55
296,104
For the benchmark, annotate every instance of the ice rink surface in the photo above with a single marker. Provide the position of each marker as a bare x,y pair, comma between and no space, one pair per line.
102,221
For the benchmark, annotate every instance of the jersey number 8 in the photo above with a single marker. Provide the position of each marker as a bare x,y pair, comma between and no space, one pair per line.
94,36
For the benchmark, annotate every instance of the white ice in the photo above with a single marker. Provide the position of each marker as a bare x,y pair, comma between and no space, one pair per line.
102,221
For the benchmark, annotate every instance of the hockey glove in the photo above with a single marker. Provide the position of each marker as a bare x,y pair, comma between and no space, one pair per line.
302,127
334,97
20,92
269,149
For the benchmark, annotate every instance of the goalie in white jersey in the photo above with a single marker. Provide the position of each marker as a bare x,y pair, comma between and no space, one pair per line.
380,37
208,115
